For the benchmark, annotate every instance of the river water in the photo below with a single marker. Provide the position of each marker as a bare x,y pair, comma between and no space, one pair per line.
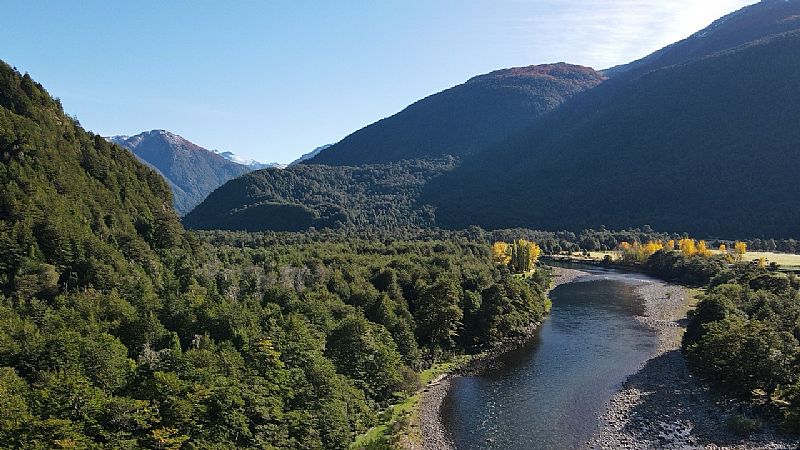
549,394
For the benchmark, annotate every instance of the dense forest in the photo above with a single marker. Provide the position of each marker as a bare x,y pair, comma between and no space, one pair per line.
465,118
744,335
118,329
304,196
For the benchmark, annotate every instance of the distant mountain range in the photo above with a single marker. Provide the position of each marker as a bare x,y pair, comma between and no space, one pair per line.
700,136
251,163
191,171
709,147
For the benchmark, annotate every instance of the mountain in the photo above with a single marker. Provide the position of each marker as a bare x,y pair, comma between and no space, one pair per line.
700,137
191,171
75,210
751,23
465,118
314,195
251,163
309,155
709,146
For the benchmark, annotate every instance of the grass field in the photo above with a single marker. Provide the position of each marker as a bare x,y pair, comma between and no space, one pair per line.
784,260
597,256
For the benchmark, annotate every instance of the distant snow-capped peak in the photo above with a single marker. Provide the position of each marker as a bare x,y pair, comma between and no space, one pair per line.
253,164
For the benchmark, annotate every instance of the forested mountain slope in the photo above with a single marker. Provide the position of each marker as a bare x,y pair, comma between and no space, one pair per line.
75,210
465,118
192,171
304,195
709,147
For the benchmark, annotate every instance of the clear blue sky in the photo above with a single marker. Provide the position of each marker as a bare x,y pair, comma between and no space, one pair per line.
274,79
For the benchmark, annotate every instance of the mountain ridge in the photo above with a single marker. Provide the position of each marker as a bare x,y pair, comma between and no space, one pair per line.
747,24
464,118
692,124
192,171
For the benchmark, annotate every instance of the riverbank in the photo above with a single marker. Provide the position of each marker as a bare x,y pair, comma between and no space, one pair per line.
434,433
663,405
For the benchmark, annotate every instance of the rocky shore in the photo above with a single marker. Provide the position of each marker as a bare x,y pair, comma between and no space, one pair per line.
663,406
434,433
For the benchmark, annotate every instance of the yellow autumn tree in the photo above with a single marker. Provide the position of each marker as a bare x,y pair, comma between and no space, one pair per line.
639,253
702,249
687,246
670,245
535,252
652,247
500,253
739,249
723,250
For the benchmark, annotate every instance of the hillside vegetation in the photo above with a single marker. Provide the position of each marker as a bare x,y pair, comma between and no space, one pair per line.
304,196
707,147
699,137
465,118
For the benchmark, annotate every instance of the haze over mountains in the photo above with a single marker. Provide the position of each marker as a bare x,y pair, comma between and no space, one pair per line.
700,136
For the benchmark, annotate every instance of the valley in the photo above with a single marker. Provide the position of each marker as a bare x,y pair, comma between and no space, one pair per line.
541,256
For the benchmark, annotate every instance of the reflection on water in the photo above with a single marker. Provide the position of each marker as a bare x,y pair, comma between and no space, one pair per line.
549,394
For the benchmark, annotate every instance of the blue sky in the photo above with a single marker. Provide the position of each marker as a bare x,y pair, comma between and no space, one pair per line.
274,79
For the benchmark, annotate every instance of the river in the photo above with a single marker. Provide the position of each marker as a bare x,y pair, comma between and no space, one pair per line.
549,394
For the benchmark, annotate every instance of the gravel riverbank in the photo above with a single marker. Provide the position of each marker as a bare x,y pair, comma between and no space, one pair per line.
434,434
663,406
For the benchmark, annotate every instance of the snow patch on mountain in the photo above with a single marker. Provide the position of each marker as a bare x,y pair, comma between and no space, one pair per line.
309,155
251,163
